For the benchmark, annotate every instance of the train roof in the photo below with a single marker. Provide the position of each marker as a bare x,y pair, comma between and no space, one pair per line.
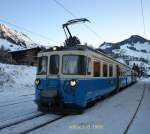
82,48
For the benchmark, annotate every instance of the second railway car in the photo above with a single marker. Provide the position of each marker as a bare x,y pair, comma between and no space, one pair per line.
75,76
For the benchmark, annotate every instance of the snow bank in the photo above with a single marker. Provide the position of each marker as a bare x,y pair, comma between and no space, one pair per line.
16,77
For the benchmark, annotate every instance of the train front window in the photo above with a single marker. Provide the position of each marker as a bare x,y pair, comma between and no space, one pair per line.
74,64
42,66
54,64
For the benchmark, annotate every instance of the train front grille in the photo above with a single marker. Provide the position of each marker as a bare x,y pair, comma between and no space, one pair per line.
49,93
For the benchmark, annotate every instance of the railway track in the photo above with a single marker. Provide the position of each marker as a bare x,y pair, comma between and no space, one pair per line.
17,111
16,100
14,103
8,125
32,123
39,120
137,109
30,117
42,125
26,95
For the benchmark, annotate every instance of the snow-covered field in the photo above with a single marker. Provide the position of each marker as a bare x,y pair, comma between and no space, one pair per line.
126,51
110,116
17,78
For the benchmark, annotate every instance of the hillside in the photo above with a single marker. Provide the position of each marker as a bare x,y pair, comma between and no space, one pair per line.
14,40
135,49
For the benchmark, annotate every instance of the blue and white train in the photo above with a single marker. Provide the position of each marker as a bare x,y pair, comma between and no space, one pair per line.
75,76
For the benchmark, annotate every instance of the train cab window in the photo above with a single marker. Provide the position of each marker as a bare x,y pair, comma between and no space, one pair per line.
105,68
54,64
110,71
74,65
89,67
42,65
96,68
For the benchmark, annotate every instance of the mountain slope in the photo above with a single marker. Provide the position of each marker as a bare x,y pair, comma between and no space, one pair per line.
135,49
14,40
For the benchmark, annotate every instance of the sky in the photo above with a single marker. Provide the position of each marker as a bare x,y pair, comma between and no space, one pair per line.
111,20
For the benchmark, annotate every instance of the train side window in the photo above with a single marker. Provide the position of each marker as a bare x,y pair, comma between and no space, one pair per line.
96,69
110,71
54,64
89,68
105,68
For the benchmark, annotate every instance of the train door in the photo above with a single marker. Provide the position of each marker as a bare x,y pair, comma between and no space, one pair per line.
117,77
53,76
42,70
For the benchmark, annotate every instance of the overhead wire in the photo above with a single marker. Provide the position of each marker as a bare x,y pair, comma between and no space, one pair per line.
29,31
143,18
74,16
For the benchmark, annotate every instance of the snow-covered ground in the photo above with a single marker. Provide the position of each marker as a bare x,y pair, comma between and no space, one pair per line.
141,123
110,116
17,78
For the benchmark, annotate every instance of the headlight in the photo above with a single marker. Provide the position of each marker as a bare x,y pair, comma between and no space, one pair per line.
73,83
37,82
54,48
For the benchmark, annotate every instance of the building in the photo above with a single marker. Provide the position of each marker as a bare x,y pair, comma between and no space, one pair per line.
26,56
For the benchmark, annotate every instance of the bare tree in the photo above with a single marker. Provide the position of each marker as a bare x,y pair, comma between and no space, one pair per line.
5,56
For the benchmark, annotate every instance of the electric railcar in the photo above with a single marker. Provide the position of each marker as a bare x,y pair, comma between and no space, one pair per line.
75,76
